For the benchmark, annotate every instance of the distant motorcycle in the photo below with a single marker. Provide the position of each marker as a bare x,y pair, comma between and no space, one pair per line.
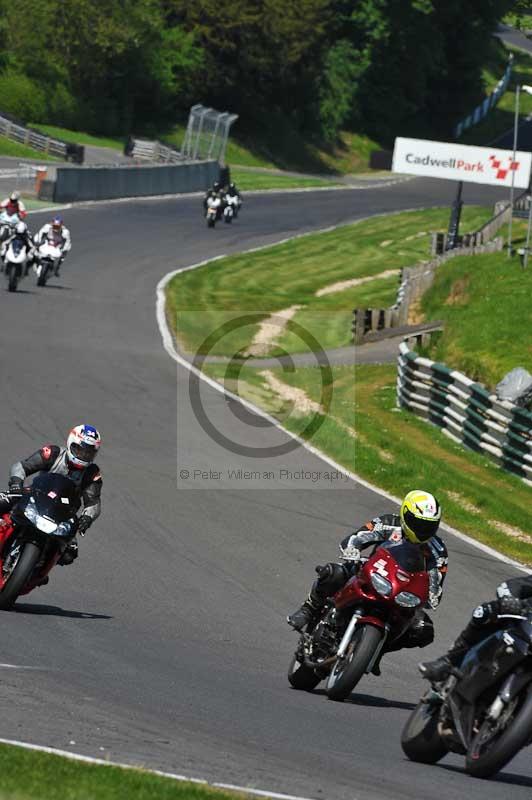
15,260
213,211
484,709
371,612
35,534
48,259
233,201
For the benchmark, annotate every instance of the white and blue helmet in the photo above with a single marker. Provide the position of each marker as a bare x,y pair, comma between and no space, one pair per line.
83,444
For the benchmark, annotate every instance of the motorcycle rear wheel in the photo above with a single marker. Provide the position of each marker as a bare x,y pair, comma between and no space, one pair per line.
302,677
19,576
420,739
345,675
482,763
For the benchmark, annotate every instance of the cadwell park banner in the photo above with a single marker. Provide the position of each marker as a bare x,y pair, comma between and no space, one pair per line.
460,162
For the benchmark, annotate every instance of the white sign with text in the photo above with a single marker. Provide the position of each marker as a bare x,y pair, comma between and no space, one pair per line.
461,162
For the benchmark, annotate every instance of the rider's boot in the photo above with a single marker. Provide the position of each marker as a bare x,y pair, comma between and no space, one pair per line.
70,554
440,669
308,612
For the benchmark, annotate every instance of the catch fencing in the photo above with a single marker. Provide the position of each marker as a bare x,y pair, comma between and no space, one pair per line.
490,102
45,144
466,411
207,133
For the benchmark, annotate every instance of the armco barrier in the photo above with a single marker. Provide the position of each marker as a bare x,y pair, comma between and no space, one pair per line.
105,183
466,411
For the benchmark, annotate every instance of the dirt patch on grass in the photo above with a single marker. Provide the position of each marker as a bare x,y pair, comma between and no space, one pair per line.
301,402
415,313
386,243
269,331
340,286
458,296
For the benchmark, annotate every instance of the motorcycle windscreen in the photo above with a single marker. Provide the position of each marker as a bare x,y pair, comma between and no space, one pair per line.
489,661
409,556
17,245
56,496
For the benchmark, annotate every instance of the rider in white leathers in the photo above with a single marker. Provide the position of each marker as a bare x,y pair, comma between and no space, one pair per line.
56,234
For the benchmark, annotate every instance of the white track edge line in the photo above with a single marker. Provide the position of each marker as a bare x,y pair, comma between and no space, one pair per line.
173,776
168,344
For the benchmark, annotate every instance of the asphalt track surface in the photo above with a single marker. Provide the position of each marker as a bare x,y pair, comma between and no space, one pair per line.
165,643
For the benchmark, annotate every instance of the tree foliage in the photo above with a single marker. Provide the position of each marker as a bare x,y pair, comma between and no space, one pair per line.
385,67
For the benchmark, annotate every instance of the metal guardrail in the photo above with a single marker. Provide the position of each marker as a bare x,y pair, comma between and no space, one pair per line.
415,280
146,150
490,102
466,411
45,144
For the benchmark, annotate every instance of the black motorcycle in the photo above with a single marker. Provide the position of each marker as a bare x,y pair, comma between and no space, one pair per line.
35,534
484,709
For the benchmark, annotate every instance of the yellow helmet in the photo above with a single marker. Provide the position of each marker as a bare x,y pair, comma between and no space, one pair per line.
420,516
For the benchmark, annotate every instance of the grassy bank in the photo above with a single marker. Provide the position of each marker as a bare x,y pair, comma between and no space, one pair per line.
290,274
485,303
278,145
366,433
31,775
17,150
247,180
78,137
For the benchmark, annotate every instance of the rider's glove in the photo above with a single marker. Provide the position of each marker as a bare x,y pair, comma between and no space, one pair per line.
84,524
16,484
350,553
509,605
324,571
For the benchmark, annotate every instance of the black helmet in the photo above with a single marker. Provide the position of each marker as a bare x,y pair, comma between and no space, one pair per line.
216,186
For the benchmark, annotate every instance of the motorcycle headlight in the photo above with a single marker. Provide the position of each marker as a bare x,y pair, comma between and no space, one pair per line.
380,584
41,523
407,599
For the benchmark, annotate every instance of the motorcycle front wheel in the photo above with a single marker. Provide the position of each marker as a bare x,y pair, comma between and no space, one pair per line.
420,739
43,274
19,576
347,672
12,280
498,741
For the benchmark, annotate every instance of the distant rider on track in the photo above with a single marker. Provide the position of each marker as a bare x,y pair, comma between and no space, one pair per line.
13,205
58,235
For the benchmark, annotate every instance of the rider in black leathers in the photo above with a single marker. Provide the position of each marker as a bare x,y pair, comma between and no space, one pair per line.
75,461
395,527
215,192
513,596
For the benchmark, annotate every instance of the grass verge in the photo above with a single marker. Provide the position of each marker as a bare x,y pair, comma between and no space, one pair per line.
31,775
77,137
393,449
281,276
17,150
249,180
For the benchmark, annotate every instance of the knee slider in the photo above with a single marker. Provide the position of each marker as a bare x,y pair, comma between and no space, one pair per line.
331,577
484,614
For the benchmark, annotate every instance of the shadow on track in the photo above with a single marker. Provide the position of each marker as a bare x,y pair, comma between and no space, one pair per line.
56,611
501,777
371,700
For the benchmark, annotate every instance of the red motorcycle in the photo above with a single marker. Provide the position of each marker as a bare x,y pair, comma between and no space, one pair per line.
35,534
363,620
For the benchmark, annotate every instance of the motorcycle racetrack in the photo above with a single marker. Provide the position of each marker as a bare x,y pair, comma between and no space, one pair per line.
165,643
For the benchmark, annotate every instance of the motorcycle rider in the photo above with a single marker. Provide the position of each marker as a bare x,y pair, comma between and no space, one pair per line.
418,521
214,193
76,462
57,235
21,232
13,205
513,597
